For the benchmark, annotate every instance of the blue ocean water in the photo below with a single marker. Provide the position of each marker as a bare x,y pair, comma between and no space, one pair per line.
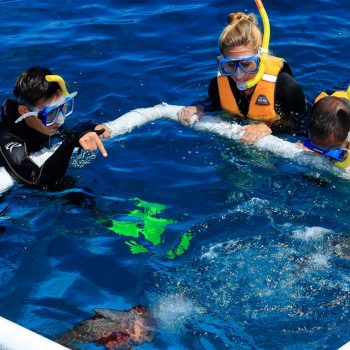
262,270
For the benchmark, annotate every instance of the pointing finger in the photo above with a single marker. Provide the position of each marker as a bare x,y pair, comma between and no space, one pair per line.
101,147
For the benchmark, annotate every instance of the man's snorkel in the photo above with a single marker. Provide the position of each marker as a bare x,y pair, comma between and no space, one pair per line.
264,50
59,80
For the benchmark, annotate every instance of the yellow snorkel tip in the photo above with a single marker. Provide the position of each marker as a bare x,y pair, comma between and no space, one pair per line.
344,164
348,92
59,80
264,47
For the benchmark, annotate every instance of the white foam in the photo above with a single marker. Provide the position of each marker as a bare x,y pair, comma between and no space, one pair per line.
314,233
174,310
253,202
319,260
212,252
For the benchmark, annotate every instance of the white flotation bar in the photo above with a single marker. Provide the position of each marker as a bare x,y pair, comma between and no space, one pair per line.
345,346
15,337
138,117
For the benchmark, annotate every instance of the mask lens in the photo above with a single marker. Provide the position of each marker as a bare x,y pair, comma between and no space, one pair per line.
49,115
249,66
52,116
228,68
67,108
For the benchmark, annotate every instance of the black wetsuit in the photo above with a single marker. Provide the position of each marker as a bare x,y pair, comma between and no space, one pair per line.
290,103
18,141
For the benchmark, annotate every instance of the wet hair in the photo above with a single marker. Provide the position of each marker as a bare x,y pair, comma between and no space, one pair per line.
31,85
329,119
241,30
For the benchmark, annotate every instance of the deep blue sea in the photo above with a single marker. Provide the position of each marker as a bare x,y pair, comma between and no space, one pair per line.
262,269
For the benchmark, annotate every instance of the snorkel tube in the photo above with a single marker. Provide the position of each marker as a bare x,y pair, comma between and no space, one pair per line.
264,50
59,80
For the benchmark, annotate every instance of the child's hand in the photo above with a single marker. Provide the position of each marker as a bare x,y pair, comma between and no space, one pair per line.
106,133
91,141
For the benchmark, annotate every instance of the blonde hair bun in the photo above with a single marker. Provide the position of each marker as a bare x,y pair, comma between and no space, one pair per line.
242,30
236,17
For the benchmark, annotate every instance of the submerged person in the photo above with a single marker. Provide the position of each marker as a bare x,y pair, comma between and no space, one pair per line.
329,127
113,329
30,120
277,100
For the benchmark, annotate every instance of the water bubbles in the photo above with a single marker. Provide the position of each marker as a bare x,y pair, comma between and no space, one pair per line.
83,159
173,311
319,260
311,233
212,252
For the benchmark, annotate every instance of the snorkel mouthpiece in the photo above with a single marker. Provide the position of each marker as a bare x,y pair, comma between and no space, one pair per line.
59,80
264,50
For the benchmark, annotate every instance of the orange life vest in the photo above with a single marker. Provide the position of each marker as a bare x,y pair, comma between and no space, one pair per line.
262,103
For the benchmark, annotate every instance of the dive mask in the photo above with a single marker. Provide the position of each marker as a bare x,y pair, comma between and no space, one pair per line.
56,112
228,66
339,154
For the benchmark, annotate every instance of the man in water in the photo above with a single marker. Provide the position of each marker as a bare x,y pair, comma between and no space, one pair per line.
329,127
29,121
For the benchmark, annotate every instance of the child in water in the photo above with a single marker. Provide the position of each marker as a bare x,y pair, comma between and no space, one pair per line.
28,122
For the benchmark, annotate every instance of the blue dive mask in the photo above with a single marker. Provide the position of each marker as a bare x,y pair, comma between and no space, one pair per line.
228,66
54,113
338,154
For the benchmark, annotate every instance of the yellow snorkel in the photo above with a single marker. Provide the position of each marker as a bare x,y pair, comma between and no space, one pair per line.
264,50
344,164
59,80
348,92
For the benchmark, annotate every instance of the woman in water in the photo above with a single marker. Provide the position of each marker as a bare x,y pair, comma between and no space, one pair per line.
277,100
